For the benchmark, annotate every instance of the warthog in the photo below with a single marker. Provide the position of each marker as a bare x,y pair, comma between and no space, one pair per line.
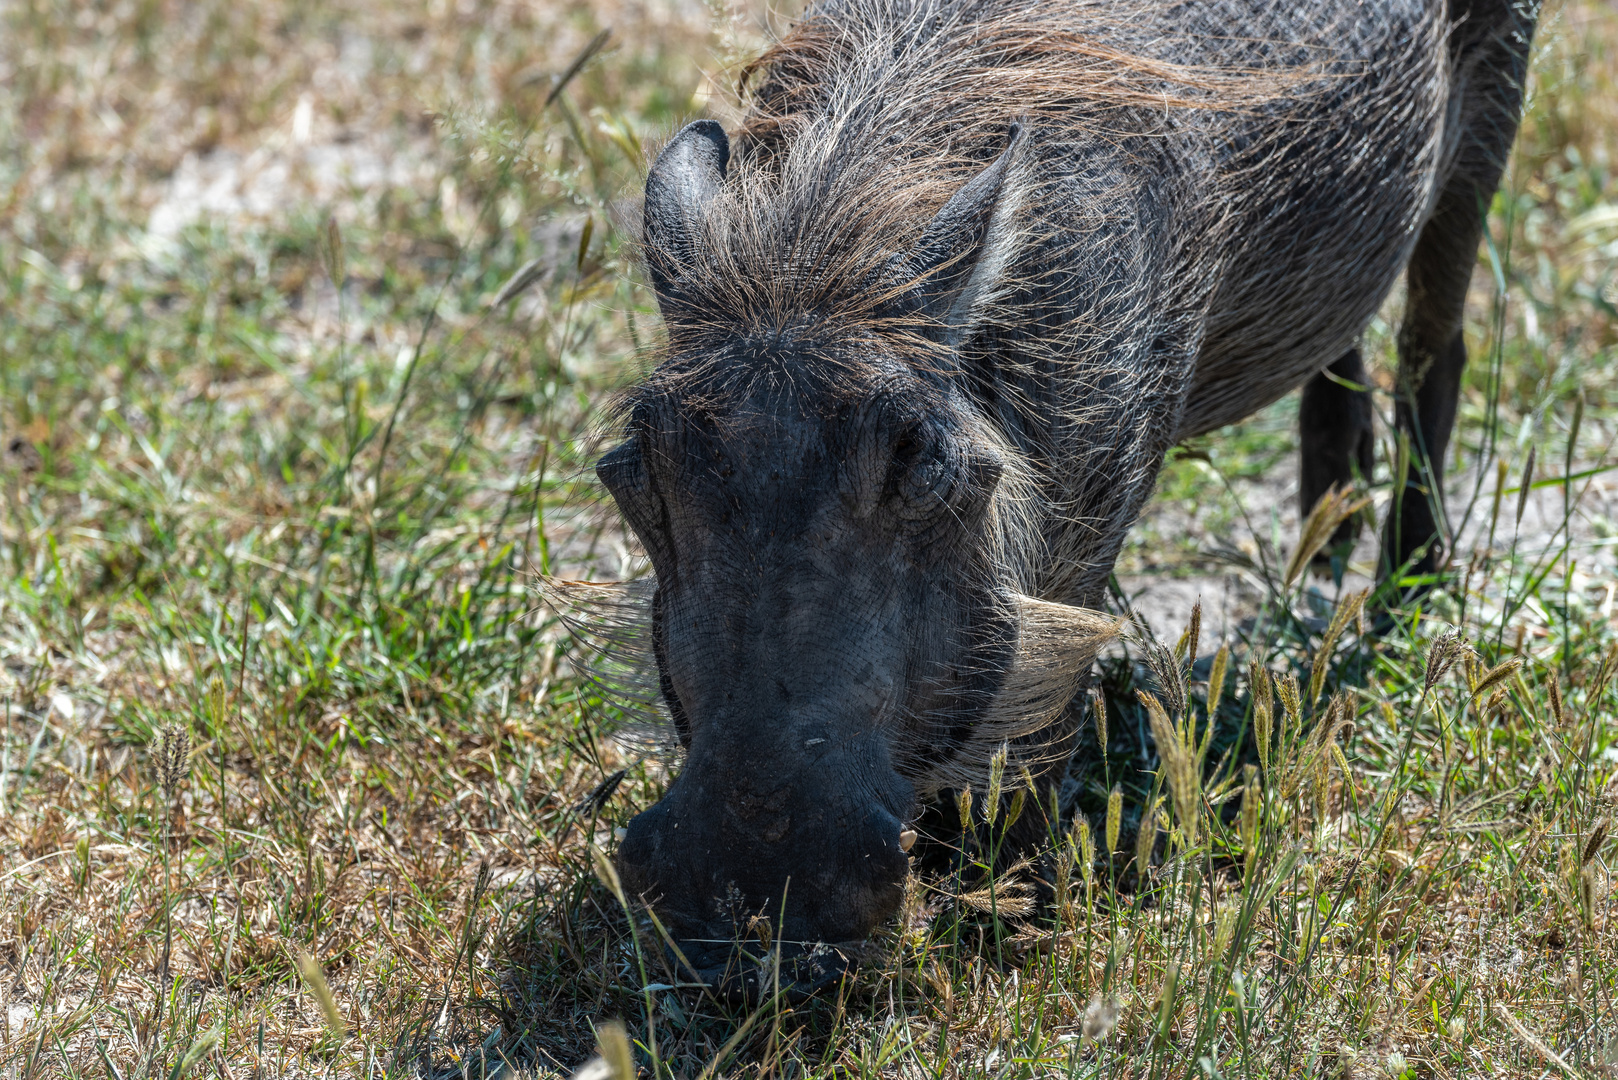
935,313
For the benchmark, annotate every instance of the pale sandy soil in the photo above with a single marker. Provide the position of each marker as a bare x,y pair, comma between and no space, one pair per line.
1233,594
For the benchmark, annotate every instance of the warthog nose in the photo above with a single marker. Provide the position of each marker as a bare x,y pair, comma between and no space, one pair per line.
711,872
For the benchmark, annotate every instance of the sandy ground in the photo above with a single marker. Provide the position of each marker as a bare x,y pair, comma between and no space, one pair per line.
1232,595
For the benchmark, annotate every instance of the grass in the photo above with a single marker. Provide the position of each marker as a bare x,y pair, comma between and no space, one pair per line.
294,778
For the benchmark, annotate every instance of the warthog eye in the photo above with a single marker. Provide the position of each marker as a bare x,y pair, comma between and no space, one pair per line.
942,484
907,448
915,472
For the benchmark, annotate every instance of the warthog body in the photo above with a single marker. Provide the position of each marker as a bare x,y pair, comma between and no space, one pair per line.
965,274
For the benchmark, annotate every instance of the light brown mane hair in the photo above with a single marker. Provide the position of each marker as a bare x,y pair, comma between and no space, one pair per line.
863,121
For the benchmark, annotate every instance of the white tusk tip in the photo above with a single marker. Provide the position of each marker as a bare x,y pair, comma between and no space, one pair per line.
907,839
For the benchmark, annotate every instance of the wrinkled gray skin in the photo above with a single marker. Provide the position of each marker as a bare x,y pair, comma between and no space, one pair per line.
917,368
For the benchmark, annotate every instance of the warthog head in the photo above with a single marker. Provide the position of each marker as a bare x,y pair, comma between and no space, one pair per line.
839,621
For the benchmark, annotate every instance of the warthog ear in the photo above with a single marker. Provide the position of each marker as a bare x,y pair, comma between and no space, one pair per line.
683,180
963,253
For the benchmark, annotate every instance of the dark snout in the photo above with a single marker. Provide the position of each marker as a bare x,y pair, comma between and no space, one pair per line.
748,871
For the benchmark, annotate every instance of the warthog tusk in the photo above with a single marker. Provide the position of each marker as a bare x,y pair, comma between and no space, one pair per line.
907,839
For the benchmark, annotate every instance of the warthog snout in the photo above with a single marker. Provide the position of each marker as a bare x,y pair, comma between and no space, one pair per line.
821,863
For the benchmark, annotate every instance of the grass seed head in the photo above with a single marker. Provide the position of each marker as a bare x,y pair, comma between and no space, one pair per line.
1146,837
608,875
1216,679
1501,470
1098,709
173,758
1115,815
201,1048
1084,846
1019,799
613,1046
1525,486
963,807
1444,651
1499,709
1169,674
1348,610
1286,688
1337,505
1593,847
1609,666
1186,647
218,698
1179,768
1258,681
1342,763
1495,676
315,979
997,772
1165,1003
1224,930
333,254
